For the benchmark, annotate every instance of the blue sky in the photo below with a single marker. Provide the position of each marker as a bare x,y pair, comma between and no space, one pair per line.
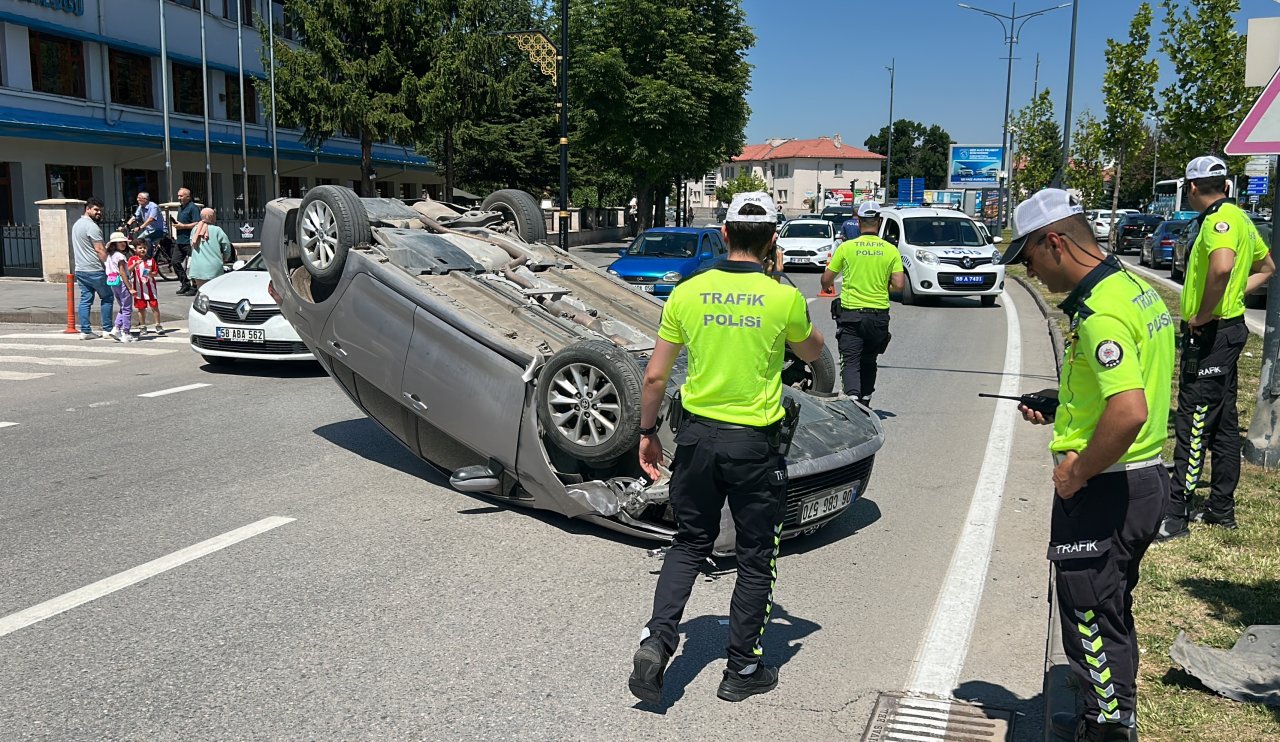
820,66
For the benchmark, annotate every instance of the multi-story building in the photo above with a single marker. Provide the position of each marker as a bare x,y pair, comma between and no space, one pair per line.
795,170
82,95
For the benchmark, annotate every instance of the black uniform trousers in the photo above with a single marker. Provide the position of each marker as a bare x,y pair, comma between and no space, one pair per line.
177,255
861,336
1097,541
1207,420
714,462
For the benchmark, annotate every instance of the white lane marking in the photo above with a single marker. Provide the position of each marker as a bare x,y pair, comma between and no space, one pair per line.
20,376
37,361
62,603
175,390
7,425
941,657
107,346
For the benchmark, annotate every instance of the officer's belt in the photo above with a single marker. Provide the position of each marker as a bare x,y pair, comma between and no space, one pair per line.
1058,458
729,426
868,310
1220,322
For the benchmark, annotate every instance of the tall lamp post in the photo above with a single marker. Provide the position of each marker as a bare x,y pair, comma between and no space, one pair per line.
1011,31
1155,157
888,164
554,63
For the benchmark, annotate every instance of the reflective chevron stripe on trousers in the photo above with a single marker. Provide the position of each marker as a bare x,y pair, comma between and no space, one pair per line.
1097,541
711,465
1207,421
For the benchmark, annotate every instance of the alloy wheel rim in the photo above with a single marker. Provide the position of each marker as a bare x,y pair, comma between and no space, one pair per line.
319,234
584,404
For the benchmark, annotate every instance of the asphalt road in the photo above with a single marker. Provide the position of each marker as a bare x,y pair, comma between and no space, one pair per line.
1255,318
391,607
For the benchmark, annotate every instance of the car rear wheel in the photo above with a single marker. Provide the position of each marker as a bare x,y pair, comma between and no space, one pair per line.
908,293
817,376
331,220
589,401
519,207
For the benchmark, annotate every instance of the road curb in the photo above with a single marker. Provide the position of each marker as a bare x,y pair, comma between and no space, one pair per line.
59,317
1055,335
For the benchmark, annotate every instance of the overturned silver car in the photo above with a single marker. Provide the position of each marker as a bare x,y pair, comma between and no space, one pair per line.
514,365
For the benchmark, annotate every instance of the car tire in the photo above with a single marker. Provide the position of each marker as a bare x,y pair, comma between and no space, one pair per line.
521,208
908,293
818,376
218,360
331,221
1174,273
1142,257
988,301
574,375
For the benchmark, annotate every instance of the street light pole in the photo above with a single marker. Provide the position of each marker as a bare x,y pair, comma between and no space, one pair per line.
1071,80
564,125
888,166
1012,30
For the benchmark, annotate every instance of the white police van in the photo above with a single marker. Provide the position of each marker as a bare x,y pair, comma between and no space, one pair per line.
945,253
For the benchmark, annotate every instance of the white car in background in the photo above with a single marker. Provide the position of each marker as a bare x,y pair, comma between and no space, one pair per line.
944,254
235,316
807,242
1100,220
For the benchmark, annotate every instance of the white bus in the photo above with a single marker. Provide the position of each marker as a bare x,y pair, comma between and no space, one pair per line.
1171,199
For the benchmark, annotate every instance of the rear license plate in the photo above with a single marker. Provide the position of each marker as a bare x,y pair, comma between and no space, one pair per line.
240,334
647,288
828,503
978,279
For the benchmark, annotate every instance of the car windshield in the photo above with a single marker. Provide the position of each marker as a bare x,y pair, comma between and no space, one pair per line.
1147,219
808,229
255,264
942,231
664,245
1175,227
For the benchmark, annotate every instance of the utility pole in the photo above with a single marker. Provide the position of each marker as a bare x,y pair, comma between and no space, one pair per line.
1035,89
1071,79
564,125
888,166
1262,444
1016,23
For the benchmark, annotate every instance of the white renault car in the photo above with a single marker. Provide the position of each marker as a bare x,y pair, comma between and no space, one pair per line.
807,243
234,316
944,254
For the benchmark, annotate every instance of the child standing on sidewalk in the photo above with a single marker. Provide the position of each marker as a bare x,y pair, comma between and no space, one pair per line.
142,274
117,265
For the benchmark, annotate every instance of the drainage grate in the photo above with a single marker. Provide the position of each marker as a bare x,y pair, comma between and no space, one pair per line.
902,718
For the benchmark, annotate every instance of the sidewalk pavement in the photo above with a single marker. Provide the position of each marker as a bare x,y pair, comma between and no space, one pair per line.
33,301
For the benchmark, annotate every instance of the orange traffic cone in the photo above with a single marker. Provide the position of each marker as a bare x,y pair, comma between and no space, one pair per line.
827,293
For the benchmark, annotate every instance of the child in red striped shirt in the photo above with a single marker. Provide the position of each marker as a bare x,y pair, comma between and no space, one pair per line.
142,274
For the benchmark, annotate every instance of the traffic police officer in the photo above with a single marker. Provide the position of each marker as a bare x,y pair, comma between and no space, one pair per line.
734,320
869,266
1108,431
1227,260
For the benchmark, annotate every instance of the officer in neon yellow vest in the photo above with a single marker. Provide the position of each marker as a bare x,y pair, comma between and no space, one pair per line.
1110,426
734,321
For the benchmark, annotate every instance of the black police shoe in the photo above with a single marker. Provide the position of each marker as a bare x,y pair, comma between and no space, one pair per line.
1077,728
736,687
1172,527
1211,518
649,663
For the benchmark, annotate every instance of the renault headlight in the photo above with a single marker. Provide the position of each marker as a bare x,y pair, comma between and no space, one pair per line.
926,257
671,277
201,303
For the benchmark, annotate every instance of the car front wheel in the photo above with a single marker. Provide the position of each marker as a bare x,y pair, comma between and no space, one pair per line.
331,221
589,401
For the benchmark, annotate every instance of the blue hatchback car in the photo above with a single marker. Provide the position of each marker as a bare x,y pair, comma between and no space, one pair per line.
661,257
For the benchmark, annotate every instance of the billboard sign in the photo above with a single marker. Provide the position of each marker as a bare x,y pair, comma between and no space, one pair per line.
911,190
972,166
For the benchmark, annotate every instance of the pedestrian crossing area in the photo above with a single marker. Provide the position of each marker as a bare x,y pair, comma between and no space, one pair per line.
27,356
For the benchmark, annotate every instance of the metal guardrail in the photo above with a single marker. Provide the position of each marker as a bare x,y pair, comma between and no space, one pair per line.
20,251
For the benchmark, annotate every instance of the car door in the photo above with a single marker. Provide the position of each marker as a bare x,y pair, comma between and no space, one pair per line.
365,340
467,400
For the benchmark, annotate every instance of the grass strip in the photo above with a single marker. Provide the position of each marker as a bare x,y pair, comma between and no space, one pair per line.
1212,585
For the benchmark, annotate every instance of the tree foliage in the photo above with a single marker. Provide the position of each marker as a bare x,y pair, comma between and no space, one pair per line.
919,151
1207,99
1085,169
1128,90
658,88
746,182
1039,139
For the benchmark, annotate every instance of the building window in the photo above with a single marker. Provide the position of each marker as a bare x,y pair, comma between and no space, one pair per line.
188,90
383,189
408,192
57,65
293,187
131,79
280,20
193,4
6,195
194,181
839,170
782,198
251,201
233,100
68,181
133,182
229,10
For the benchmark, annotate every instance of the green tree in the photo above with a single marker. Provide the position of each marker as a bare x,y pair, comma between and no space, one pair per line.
1084,171
1039,138
658,88
349,74
1207,98
918,152
1128,90
746,182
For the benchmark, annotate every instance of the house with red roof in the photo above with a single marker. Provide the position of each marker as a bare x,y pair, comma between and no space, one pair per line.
795,170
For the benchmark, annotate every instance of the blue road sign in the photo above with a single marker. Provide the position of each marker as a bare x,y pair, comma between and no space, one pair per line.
911,190
1257,185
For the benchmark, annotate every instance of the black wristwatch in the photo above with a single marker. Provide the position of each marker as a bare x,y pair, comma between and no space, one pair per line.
654,429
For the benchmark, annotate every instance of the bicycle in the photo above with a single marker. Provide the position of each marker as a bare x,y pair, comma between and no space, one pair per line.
160,249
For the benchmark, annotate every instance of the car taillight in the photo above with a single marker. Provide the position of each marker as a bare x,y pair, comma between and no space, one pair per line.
271,290
1166,243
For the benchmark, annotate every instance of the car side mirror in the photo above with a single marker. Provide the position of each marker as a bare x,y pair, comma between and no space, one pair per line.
706,255
997,240
622,253
237,265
